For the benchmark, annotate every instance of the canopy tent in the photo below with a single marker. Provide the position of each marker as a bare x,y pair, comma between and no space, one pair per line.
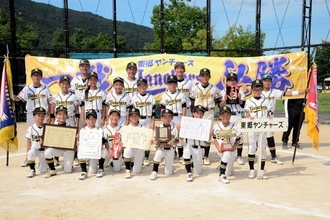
327,79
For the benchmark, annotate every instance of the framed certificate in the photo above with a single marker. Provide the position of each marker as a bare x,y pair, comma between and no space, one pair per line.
195,128
163,136
90,144
137,137
62,137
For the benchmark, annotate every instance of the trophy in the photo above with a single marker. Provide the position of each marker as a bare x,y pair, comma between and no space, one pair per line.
232,94
163,136
225,136
115,146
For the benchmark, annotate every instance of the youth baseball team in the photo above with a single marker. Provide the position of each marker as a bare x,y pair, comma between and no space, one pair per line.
82,103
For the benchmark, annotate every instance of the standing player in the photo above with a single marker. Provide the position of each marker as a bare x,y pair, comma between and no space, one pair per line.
94,98
130,82
166,152
236,109
119,100
67,99
208,96
257,107
35,95
232,137
61,120
146,104
272,95
79,83
33,137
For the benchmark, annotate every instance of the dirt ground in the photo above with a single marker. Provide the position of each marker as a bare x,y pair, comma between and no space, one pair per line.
299,191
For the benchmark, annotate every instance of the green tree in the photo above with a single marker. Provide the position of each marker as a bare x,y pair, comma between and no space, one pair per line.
76,39
322,60
237,42
181,21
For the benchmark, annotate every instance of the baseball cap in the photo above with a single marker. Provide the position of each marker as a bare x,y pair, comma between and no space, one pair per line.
84,61
179,64
63,78
36,70
118,79
39,110
114,110
172,78
91,112
224,109
131,64
61,108
256,83
198,108
166,112
204,70
141,80
92,74
267,76
232,75
133,111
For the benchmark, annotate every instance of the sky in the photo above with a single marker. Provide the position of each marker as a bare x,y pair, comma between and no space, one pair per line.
286,14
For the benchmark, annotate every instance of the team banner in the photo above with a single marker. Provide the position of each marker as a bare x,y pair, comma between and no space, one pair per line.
289,71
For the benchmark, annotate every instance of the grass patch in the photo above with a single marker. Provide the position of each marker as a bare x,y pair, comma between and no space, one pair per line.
324,103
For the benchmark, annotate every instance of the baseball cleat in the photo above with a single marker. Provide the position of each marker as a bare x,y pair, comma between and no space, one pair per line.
224,179
31,174
277,161
240,161
206,161
189,177
50,173
83,176
252,174
76,162
153,175
99,173
263,175
25,163
146,162
181,161
128,174
284,145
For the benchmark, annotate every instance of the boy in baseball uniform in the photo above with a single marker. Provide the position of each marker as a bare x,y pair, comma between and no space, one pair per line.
166,152
34,95
236,109
91,118
225,134
257,107
208,96
61,120
145,102
130,82
34,142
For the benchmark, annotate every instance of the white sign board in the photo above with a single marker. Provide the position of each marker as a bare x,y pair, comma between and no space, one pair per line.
261,124
195,128
90,144
137,137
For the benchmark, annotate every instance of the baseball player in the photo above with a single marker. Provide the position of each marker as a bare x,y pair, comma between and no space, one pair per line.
35,95
130,82
61,120
33,137
236,108
168,151
119,100
272,95
193,148
93,98
208,96
67,99
109,132
257,107
91,118
79,83
145,102
231,137
131,152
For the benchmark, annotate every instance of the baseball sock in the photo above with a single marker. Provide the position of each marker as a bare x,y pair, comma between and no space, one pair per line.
32,164
271,146
187,165
223,166
50,163
101,163
83,166
206,151
146,154
239,150
180,151
251,161
127,163
57,159
263,163
155,168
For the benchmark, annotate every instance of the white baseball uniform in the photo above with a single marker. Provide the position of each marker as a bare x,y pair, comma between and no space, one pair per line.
130,87
34,134
135,153
108,134
70,101
68,155
236,109
34,97
185,87
227,157
205,97
145,104
95,101
79,85
118,102
193,149
176,102
257,108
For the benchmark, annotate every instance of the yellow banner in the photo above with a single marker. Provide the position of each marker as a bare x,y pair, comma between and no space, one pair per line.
289,71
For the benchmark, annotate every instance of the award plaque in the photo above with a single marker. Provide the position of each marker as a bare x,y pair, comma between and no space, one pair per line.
225,136
163,136
62,137
232,94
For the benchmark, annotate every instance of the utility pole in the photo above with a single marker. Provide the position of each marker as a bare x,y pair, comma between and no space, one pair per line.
114,20
258,29
208,27
66,27
162,50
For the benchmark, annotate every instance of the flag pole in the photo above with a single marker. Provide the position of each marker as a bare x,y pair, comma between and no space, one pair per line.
7,155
